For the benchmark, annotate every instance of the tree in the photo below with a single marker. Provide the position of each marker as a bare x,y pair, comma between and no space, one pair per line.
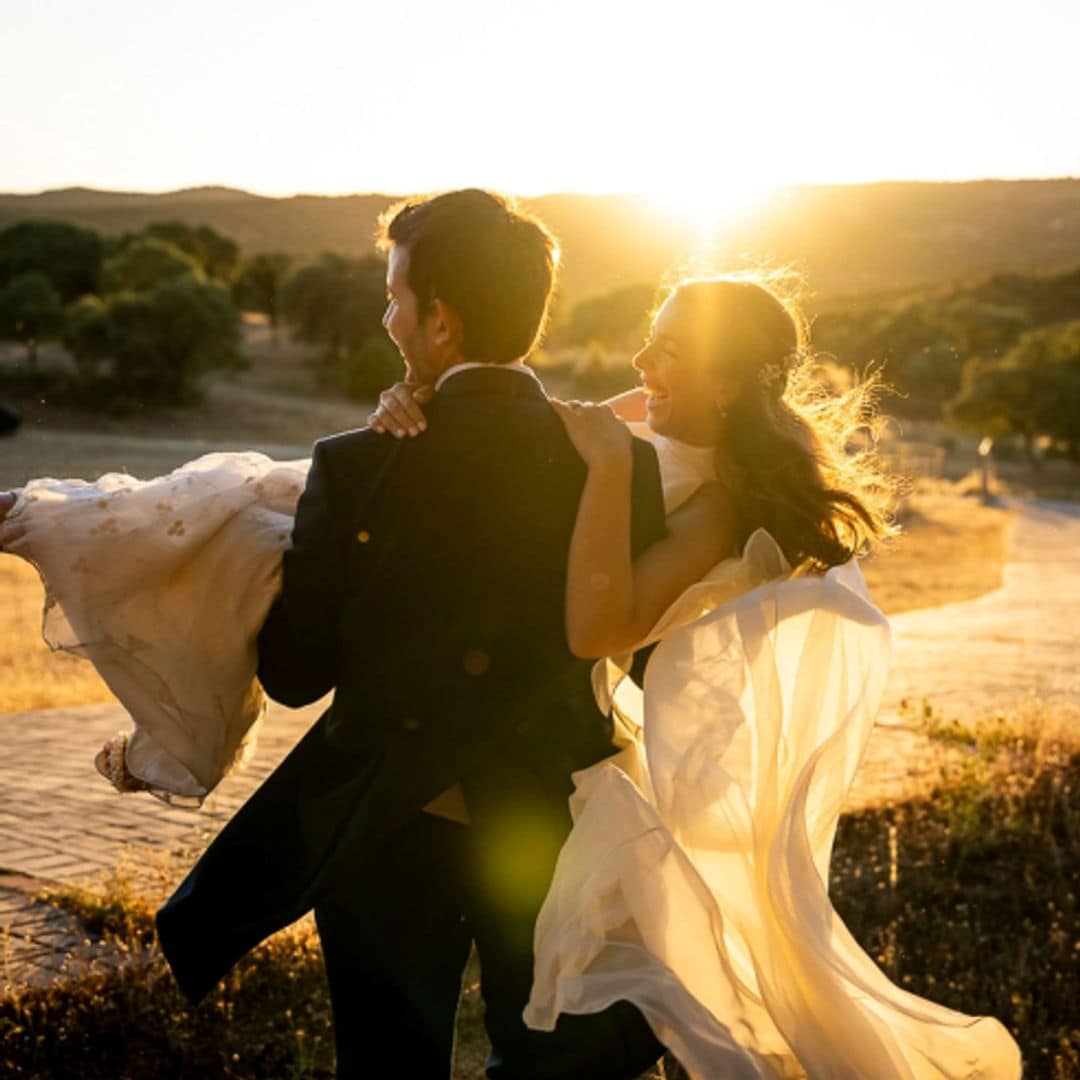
145,263
370,368
217,255
259,284
69,256
610,319
336,301
30,311
154,345
1031,391
87,335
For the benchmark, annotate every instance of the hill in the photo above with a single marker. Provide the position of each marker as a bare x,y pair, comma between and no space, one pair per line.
850,239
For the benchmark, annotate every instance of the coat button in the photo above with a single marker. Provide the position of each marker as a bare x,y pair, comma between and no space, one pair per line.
411,723
522,728
476,662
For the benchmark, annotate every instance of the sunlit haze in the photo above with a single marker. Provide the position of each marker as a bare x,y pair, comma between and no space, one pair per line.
706,105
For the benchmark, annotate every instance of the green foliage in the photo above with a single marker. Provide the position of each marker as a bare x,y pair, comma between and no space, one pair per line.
336,302
217,256
369,368
928,339
1032,390
144,263
611,319
923,341
259,283
151,347
69,256
1043,299
30,310
87,334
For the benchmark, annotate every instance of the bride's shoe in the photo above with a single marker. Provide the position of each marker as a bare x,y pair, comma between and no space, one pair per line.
109,761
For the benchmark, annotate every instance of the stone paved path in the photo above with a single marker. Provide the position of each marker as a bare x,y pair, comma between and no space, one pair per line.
59,821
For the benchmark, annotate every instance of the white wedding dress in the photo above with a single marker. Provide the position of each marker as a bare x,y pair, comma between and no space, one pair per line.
163,585
694,881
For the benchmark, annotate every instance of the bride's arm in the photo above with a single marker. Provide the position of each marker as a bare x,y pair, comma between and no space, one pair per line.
612,600
629,406
399,410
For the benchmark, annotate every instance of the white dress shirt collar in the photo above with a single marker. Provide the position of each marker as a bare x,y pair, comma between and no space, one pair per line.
514,365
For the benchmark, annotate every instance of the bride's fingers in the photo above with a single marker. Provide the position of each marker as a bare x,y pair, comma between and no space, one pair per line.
405,403
398,416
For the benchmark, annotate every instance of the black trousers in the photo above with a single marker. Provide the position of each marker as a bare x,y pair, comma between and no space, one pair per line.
396,944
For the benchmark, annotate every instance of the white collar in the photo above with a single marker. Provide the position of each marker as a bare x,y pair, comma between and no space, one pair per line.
514,365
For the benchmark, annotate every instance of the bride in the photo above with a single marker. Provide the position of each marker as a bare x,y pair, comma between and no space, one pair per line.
694,882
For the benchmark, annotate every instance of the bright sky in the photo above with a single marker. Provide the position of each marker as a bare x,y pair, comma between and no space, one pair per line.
710,99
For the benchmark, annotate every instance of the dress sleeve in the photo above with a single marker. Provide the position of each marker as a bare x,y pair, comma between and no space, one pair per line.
297,644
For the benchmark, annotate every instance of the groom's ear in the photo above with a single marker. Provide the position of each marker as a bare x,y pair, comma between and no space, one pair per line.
447,329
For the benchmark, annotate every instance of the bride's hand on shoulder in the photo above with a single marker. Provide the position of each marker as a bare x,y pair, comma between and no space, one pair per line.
399,411
9,530
598,435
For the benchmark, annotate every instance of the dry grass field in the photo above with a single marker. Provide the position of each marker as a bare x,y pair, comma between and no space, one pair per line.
968,542
32,676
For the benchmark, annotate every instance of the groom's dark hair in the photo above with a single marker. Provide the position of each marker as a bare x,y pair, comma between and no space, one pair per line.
486,258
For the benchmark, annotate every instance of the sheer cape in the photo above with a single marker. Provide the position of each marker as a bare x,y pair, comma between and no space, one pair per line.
695,880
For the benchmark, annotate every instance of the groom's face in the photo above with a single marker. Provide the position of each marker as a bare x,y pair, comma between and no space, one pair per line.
415,333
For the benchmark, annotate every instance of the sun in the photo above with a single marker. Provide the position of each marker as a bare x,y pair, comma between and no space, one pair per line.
707,210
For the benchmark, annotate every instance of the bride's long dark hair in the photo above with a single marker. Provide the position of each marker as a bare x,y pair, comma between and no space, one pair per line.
798,454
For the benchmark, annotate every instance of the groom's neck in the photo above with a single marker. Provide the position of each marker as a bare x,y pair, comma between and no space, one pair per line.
436,371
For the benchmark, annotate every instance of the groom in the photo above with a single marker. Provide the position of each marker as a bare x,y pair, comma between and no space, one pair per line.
426,581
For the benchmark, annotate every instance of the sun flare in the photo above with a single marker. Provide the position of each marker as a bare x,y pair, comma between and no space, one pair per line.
706,210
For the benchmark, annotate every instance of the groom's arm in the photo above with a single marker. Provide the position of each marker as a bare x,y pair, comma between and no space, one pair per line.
298,642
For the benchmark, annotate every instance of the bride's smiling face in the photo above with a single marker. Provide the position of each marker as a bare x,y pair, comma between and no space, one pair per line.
684,397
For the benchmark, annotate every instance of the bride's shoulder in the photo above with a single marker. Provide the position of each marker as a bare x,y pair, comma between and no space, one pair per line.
712,502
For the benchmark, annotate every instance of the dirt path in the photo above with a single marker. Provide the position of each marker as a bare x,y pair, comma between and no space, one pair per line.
1021,639
972,659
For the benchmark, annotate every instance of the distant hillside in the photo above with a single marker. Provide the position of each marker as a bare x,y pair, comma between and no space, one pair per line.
852,240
